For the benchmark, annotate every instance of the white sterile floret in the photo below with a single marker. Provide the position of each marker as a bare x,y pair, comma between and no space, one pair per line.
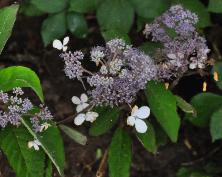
137,116
44,126
61,45
80,102
195,63
35,144
89,116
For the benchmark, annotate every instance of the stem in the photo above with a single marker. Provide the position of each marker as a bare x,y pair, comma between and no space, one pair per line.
217,51
71,117
214,151
102,166
87,71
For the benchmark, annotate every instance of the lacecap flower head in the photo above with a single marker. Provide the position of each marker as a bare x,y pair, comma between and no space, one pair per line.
122,71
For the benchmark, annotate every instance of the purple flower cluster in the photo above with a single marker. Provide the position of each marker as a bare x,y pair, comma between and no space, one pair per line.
43,115
122,72
14,107
182,46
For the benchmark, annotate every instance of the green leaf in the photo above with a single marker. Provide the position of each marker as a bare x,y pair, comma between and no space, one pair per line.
189,172
148,139
120,154
216,125
8,17
73,134
186,107
77,25
161,136
199,174
111,34
30,10
115,15
150,8
205,105
163,105
52,144
48,170
25,162
218,68
53,27
215,6
19,76
107,118
50,6
197,7
83,6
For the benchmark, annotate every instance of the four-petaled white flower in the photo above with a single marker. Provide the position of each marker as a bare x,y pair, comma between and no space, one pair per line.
61,45
44,126
137,116
80,102
89,116
35,144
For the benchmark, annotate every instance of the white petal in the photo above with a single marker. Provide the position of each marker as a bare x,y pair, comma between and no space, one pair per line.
37,142
57,44
131,121
171,56
81,107
76,100
143,112
192,65
84,97
135,108
36,147
200,65
140,126
91,116
79,119
30,144
64,48
66,40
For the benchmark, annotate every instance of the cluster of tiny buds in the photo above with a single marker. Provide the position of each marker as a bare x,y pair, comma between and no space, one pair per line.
14,107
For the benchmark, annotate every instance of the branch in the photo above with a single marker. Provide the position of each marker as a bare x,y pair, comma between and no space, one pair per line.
102,166
71,117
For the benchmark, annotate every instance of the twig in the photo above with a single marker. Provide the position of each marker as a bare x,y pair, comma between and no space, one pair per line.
217,51
214,151
102,166
69,118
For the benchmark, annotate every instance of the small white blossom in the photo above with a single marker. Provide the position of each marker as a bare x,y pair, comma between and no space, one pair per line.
196,64
80,102
35,144
89,116
44,126
97,55
61,45
137,116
